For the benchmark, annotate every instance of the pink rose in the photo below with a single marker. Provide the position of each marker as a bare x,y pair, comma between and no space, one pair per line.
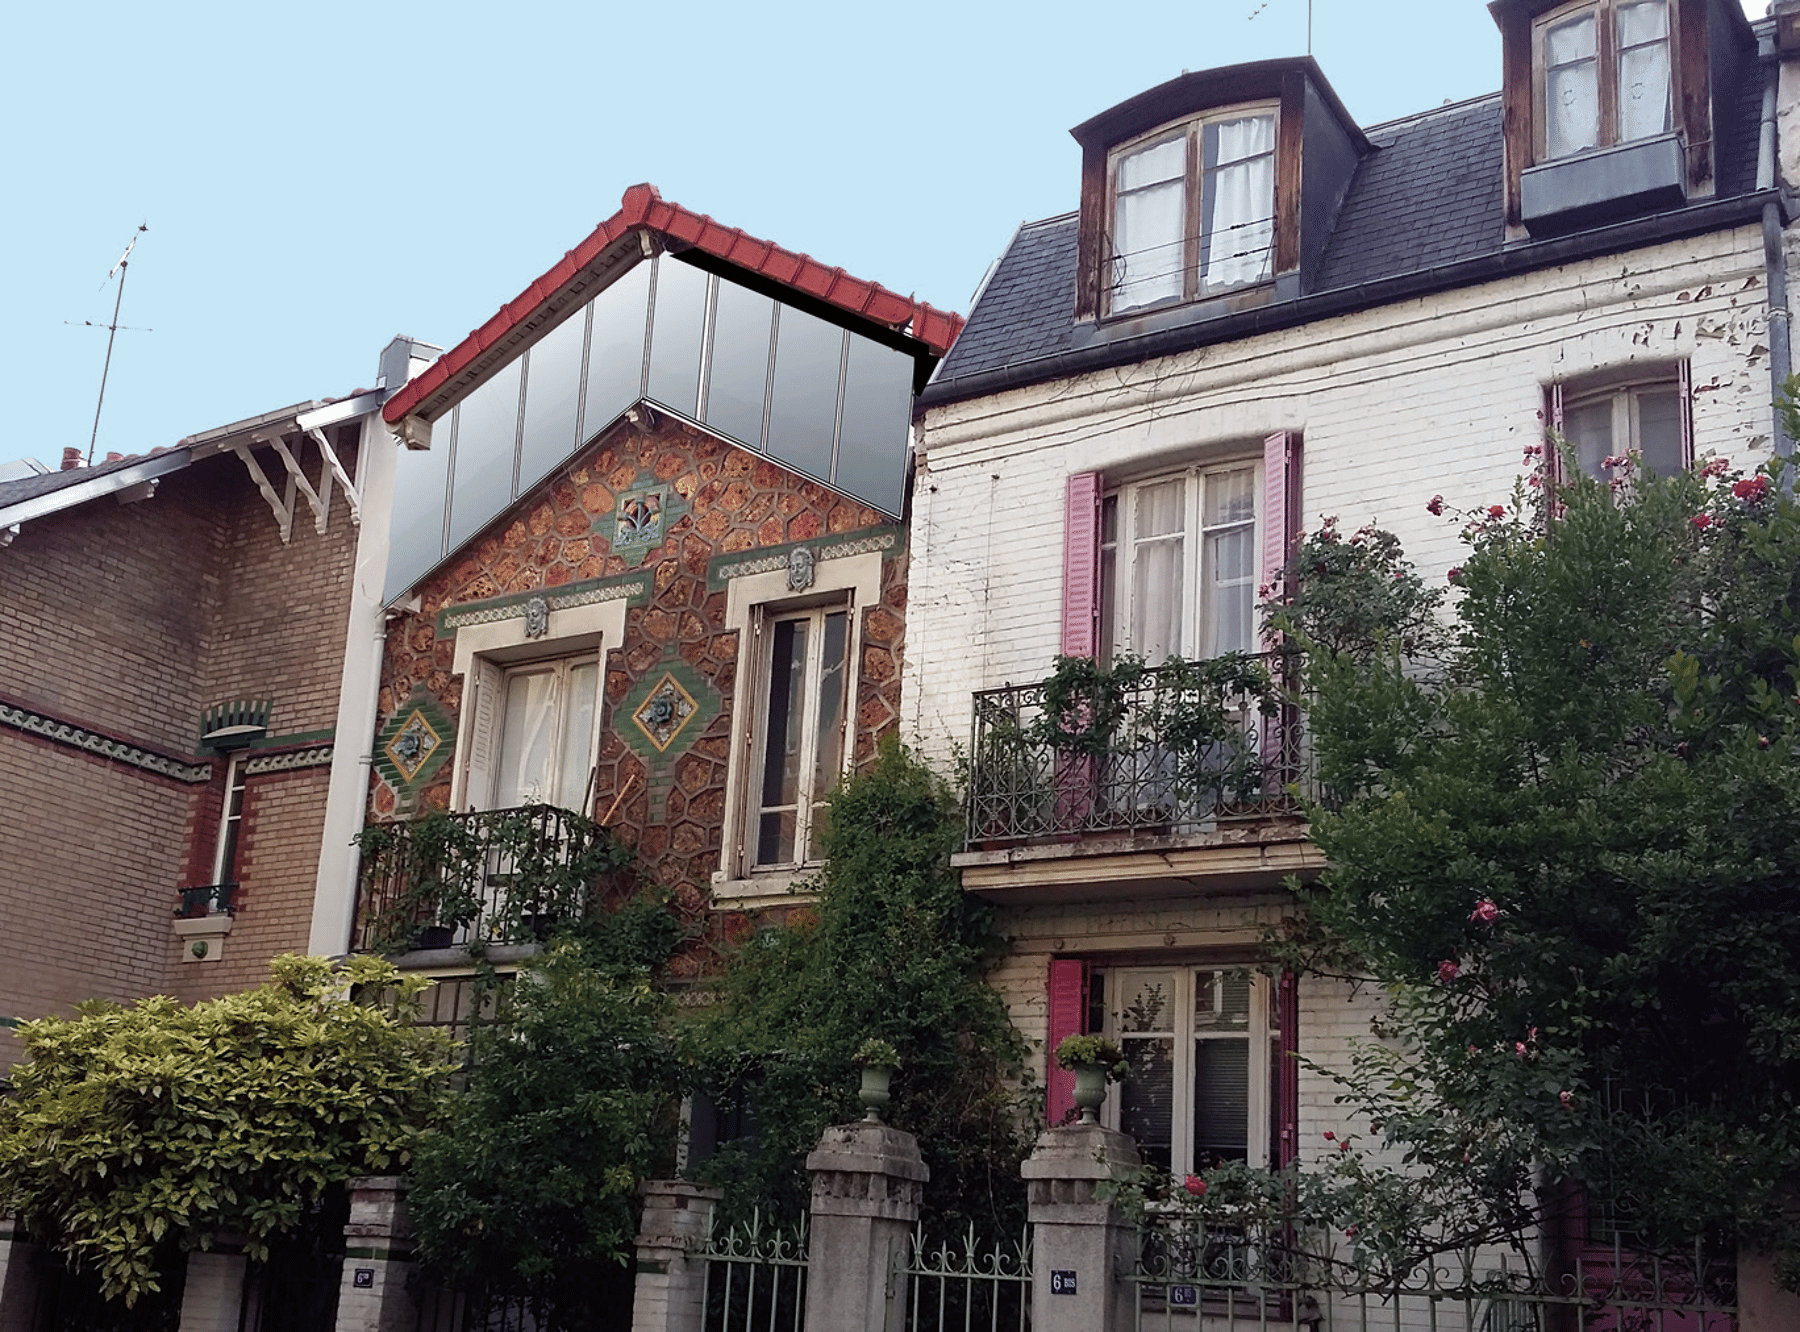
1567,1099
1194,1185
1455,573
1436,507
1751,488
1496,511
1350,1232
1701,520
1447,971
1485,911
1330,1136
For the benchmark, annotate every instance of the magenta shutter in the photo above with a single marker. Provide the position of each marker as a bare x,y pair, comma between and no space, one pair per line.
1081,566
1068,1017
1287,1070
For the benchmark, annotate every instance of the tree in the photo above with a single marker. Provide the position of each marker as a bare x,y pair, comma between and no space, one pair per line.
133,1128
1561,835
528,1188
894,951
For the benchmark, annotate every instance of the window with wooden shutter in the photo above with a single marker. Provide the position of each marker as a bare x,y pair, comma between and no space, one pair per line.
1067,1005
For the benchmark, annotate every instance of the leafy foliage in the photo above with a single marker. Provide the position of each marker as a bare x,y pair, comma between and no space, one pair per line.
895,952
528,1188
134,1127
1565,848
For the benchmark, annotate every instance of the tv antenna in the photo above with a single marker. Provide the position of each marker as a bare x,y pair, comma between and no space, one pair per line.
122,268
1309,15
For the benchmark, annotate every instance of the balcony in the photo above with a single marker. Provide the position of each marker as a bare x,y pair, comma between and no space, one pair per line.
505,876
1202,761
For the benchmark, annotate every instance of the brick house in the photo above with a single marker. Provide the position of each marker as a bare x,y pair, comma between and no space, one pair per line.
1261,313
649,555
172,678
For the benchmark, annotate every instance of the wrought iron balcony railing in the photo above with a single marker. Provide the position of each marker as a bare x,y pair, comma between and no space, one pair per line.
1134,749
492,876
207,899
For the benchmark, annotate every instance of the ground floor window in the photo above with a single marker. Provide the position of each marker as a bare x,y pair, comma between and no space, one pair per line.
1204,1047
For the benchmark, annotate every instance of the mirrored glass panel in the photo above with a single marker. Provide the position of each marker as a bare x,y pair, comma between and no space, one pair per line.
552,393
803,406
416,536
739,378
615,377
486,431
675,335
871,452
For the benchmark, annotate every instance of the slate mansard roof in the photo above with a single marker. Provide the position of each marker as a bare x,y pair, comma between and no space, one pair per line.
1423,212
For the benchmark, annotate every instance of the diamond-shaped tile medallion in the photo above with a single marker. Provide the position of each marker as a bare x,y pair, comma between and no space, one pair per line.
663,714
415,743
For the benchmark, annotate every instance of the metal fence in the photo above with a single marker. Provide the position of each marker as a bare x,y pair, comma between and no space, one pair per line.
967,1286
1189,1277
1169,749
755,1278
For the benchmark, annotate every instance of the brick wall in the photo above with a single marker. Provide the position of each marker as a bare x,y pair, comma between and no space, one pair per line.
129,620
724,502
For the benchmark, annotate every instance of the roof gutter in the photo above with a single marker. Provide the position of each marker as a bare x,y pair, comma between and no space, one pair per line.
1692,220
94,487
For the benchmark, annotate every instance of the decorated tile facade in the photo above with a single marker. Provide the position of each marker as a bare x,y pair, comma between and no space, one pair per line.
667,727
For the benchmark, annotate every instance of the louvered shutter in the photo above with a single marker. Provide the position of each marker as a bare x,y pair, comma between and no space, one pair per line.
1067,1017
1685,403
1287,1069
482,716
1081,566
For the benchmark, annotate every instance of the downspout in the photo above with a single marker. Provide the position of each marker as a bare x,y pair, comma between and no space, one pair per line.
1774,264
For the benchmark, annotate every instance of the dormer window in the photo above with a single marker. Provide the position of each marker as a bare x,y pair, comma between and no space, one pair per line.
1193,209
1602,75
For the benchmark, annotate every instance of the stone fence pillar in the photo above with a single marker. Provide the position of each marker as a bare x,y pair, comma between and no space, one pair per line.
213,1299
670,1291
866,1182
378,1257
1763,1306
1078,1241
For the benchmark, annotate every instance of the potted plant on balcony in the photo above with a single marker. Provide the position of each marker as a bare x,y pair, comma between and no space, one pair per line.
1095,1061
877,1059
419,881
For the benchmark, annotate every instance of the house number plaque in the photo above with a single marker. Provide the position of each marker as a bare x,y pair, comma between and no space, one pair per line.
1062,1283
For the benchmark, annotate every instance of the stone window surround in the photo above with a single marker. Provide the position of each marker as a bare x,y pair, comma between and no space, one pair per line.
599,626
856,578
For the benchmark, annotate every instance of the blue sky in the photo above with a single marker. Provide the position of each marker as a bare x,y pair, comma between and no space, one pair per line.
319,177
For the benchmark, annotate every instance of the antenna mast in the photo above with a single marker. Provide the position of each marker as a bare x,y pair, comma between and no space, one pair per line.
122,268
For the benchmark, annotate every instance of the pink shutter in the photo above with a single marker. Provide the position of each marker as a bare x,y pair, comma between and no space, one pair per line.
1287,1071
1068,1017
1081,566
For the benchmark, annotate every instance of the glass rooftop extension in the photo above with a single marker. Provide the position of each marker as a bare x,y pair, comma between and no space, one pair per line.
809,394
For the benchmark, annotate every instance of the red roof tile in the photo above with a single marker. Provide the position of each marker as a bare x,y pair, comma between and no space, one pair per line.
643,208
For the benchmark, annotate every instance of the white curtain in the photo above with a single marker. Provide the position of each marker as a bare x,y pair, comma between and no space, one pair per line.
1149,225
1643,70
1572,93
1240,201
1159,562
526,770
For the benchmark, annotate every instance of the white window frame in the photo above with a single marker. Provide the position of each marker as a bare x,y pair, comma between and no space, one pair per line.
1118,555
806,794
1261,1035
483,654
228,846
1194,281
1623,389
498,679
1606,57
753,602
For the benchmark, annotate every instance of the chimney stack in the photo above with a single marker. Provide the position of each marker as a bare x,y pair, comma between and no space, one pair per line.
71,459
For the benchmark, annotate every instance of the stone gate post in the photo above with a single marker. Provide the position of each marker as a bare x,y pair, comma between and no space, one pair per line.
213,1299
378,1257
866,1182
670,1289
1079,1241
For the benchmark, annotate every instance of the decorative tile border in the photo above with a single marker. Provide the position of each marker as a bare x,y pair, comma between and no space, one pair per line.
104,746
770,558
318,756
566,597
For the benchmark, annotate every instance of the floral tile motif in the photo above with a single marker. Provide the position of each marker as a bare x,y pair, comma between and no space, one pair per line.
639,521
415,743
663,714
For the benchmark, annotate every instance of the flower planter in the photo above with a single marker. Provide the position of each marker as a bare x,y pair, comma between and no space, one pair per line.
1090,1091
874,1092
435,936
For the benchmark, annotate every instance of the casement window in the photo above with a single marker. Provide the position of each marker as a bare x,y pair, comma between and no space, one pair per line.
231,822
1193,209
1210,1050
802,719
1602,75
1178,572
1645,416
533,734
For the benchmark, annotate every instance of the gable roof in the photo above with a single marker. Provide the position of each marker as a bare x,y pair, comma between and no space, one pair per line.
644,214
1423,212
